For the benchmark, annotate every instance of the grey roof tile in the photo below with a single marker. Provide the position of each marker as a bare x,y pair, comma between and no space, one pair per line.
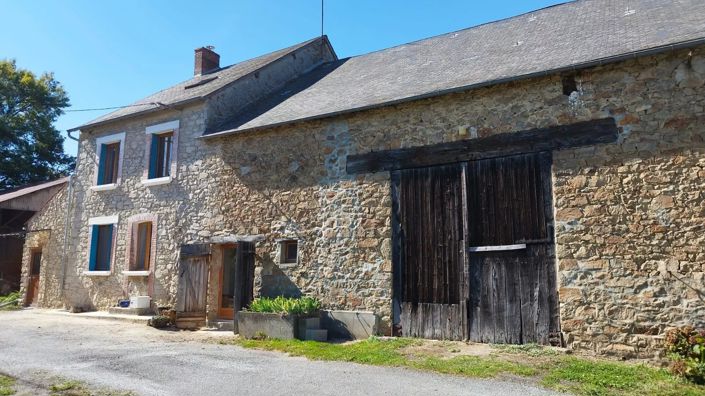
552,38
209,83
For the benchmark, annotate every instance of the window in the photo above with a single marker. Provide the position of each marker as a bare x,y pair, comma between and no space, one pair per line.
141,244
161,153
160,159
102,241
101,247
109,163
144,247
289,252
109,153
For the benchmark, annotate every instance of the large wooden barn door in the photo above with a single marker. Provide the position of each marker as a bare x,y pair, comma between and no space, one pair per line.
473,251
513,296
430,296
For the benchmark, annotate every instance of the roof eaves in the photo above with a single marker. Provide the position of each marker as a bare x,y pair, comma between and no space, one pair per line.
573,67
162,106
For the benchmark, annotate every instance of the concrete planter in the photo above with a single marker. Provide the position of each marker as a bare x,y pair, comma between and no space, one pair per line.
272,325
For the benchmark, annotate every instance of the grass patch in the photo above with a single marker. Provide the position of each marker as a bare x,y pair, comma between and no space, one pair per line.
7,385
545,366
78,388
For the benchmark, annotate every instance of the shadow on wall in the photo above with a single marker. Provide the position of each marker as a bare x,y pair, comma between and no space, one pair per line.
276,283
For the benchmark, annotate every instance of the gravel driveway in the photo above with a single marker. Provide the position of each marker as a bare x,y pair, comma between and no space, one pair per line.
131,356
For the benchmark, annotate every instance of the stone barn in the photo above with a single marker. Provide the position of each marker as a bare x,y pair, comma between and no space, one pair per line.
535,179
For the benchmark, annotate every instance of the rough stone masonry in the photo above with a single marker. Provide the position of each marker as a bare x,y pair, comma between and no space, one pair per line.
630,217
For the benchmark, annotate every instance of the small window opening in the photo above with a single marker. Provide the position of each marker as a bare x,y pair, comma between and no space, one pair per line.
569,85
290,252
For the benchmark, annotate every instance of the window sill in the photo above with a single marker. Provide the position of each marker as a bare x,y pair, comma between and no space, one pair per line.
287,265
156,182
136,273
104,187
96,273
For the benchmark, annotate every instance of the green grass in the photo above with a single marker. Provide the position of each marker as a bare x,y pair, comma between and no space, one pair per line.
546,366
77,388
7,385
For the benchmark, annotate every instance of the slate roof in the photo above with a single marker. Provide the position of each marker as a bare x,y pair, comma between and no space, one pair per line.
570,35
199,87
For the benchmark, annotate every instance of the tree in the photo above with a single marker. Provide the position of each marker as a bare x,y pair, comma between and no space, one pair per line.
31,149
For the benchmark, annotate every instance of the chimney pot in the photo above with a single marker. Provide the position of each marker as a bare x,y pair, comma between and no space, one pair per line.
205,61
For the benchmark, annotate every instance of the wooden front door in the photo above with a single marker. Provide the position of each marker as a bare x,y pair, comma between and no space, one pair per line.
193,282
34,271
227,283
473,251
513,297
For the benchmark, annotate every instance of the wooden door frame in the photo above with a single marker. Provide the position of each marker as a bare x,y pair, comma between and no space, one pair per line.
33,281
230,315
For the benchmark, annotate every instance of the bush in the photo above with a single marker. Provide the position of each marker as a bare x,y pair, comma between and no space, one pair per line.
159,321
686,347
283,305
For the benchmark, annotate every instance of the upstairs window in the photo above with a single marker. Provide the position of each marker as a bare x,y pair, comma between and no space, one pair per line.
162,141
109,153
109,163
160,156
101,247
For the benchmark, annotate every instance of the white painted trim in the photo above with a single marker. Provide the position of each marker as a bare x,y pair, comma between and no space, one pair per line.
104,187
114,138
101,220
96,273
136,273
163,127
157,181
497,248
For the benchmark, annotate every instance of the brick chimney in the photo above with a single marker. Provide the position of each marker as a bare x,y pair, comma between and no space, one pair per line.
206,60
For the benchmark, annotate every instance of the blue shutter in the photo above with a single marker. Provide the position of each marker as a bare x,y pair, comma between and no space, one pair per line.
153,150
110,245
94,248
101,163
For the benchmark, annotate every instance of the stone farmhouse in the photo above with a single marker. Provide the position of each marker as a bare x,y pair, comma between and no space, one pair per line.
535,179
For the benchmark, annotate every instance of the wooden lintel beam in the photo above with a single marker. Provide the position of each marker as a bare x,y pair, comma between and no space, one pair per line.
586,133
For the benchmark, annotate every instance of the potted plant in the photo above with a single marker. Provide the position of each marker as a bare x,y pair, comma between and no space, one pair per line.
278,317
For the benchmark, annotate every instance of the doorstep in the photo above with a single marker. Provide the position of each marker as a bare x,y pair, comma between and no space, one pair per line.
221,325
94,315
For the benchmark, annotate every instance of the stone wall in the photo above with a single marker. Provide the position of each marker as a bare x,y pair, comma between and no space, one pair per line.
628,215
45,231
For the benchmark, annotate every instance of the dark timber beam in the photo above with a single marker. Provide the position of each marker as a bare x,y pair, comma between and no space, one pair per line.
580,134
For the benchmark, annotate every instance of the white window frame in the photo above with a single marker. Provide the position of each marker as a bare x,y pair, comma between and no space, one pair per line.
164,127
102,220
109,139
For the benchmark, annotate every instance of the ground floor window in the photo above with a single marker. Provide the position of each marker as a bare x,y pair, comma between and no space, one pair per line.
101,247
289,251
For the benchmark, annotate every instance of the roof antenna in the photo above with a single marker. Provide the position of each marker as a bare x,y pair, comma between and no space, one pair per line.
322,18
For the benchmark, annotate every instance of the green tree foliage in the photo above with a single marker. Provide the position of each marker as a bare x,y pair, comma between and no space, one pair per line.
31,149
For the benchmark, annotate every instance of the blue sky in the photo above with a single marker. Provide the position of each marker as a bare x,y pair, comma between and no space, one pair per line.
113,53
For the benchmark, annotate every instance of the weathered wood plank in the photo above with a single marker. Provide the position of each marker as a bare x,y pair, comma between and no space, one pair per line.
580,134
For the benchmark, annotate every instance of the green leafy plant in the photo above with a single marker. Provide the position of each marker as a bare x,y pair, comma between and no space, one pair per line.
284,305
686,347
10,301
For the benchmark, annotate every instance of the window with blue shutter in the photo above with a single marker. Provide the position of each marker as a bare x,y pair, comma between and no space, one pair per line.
160,155
108,163
101,247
